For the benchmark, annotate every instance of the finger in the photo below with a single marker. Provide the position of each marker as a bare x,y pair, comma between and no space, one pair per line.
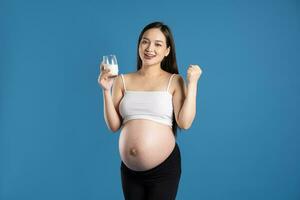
99,78
105,71
112,76
193,67
101,64
105,76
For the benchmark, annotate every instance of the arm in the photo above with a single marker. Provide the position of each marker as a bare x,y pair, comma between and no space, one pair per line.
184,102
184,99
188,110
111,106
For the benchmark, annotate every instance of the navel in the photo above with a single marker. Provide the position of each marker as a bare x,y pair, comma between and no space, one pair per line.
133,152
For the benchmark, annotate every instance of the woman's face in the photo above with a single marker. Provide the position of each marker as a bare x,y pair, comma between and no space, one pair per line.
153,47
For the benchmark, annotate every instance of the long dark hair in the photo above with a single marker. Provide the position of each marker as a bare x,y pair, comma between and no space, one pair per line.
169,63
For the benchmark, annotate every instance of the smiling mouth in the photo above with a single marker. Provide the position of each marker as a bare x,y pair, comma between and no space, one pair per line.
148,56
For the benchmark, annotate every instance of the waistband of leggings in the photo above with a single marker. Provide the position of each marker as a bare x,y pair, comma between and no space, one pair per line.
176,148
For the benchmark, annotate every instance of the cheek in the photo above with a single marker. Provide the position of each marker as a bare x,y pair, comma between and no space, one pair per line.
161,52
141,51
141,48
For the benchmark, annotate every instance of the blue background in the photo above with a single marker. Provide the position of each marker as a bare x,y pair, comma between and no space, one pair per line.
244,141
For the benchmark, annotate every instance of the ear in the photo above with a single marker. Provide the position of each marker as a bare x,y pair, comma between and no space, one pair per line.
168,51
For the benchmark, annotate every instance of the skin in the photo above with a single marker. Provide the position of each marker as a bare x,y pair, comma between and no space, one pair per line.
143,144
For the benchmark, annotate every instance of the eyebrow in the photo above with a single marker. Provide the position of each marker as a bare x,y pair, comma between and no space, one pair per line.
155,40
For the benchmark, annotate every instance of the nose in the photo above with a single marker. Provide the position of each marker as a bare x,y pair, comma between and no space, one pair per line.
150,47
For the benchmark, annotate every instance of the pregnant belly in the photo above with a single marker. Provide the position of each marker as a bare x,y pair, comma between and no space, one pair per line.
144,144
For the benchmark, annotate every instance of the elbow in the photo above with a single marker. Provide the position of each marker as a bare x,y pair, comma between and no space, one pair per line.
114,129
113,126
184,126
185,121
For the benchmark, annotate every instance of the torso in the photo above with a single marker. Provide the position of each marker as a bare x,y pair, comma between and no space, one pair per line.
144,144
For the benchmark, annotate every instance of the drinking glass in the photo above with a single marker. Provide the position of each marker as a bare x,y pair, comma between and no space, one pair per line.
110,62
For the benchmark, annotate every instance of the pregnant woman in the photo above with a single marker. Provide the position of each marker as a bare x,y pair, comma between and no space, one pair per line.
148,106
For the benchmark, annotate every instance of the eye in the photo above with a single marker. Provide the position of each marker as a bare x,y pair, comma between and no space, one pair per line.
144,42
159,45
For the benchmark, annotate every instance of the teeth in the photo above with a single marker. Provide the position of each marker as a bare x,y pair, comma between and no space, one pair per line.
149,55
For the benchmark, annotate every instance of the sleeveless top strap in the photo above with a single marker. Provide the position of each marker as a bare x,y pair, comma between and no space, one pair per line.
123,80
170,82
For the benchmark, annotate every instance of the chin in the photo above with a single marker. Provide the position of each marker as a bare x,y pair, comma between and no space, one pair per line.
149,63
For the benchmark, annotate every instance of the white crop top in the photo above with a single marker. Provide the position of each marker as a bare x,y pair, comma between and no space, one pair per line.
152,105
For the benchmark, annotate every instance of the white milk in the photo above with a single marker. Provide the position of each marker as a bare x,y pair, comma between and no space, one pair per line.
114,70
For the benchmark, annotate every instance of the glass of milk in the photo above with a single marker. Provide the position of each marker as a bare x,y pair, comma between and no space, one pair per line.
110,62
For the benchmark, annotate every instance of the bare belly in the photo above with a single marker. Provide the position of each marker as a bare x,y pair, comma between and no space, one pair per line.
144,144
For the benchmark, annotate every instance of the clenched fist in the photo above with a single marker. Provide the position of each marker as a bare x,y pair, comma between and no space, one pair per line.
193,73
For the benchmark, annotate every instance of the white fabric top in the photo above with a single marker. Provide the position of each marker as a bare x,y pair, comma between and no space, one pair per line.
152,105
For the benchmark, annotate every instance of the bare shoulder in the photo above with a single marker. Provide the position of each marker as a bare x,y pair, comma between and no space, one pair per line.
129,76
178,79
177,83
119,82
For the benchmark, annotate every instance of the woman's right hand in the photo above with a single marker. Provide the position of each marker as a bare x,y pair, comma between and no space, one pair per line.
105,79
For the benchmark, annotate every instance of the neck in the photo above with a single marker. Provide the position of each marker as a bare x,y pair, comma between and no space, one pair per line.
150,70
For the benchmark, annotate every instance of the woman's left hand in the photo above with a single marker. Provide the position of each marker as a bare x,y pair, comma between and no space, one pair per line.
193,73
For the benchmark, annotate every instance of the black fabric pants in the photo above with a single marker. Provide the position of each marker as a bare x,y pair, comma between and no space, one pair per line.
158,183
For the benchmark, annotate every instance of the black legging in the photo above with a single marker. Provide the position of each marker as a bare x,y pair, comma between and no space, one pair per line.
158,183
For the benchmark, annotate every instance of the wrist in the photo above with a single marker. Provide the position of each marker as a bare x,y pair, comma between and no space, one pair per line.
105,91
192,83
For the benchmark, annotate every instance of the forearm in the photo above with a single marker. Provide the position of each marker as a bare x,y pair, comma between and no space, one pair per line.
188,110
110,114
